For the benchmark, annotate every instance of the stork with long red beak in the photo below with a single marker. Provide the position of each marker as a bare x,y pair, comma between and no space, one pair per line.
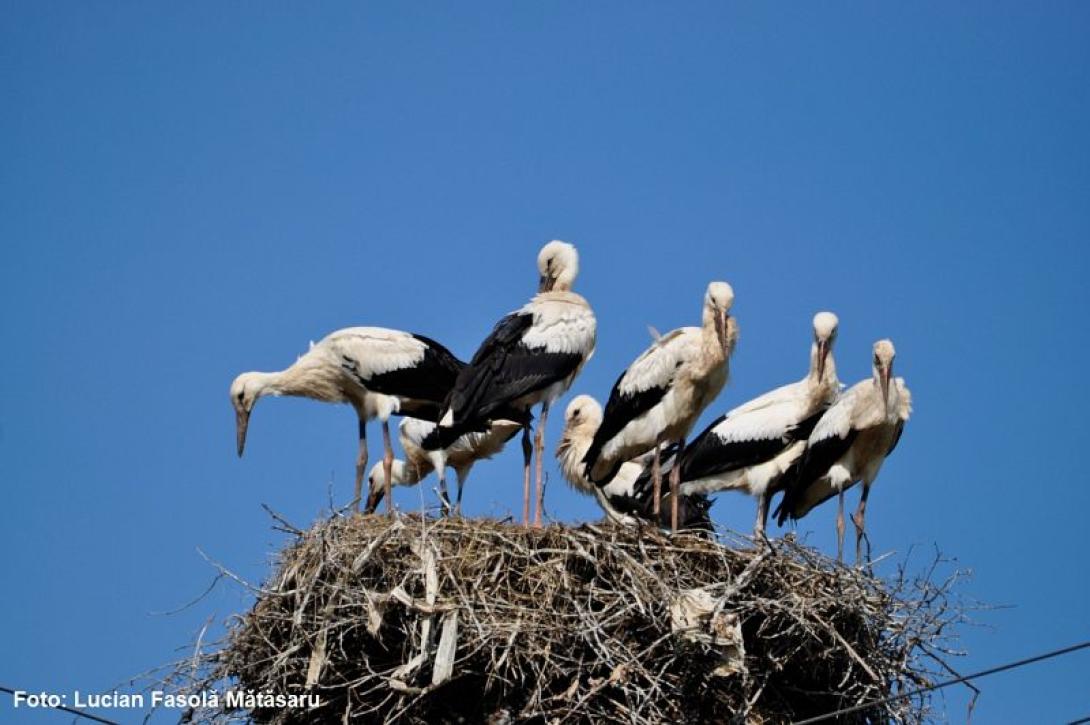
663,392
848,445
751,447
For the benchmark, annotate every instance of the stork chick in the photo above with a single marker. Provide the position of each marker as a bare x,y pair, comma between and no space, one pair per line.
626,497
751,447
848,445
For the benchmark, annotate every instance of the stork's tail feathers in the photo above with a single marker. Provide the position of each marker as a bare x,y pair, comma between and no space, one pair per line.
792,484
782,512
443,436
789,505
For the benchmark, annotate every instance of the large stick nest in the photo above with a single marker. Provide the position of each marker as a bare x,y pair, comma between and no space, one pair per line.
473,620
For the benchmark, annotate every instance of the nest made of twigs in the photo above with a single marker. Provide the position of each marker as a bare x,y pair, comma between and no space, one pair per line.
473,620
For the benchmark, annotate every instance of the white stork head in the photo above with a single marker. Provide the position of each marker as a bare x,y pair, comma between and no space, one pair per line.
883,367
245,390
558,263
582,418
717,303
376,479
825,328
583,412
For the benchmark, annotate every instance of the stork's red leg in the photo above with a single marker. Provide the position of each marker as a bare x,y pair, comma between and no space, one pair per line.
461,482
387,465
858,520
361,464
762,516
444,497
656,479
527,450
675,486
840,527
539,445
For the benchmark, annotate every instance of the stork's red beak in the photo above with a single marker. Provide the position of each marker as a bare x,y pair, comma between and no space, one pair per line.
823,353
722,330
886,372
242,421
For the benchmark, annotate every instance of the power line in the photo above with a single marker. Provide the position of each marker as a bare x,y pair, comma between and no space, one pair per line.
71,710
947,683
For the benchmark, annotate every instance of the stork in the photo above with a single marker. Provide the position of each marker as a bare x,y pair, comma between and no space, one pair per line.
627,496
532,356
659,397
418,462
751,447
377,371
848,445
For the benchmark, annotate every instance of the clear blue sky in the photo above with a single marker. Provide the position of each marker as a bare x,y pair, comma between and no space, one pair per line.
194,190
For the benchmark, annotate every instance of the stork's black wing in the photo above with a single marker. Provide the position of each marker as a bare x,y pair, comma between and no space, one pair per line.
621,409
745,439
819,457
710,454
504,369
427,383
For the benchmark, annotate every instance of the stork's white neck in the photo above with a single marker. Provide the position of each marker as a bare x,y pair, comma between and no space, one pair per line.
892,402
308,377
712,347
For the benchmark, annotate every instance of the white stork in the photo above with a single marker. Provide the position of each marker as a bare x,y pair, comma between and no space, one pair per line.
848,445
751,447
532,356
659,397
377,371
461,455
627,496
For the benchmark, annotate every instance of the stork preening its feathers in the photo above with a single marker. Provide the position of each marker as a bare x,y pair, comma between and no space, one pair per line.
460,455
751,447
663,392
627,495
848,445
532,356
377,371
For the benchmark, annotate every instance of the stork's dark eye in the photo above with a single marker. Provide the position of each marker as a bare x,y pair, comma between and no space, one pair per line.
575,413
239,397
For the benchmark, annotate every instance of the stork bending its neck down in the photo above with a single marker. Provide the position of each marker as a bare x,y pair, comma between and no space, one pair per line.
379,372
